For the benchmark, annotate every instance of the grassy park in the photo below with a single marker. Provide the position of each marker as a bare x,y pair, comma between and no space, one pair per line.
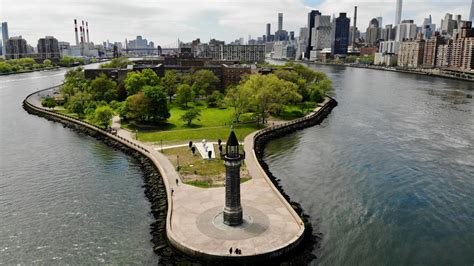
194,170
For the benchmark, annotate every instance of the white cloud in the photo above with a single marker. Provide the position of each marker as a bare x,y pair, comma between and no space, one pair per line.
164,21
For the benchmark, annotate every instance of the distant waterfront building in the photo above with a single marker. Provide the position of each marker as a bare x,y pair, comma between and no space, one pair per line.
388,33
321,33
63,46
284,50
406,31
463,48
4,37
387,54
48,48
340,40
444,54
431,50
16,47
311,21
471,14
280,21
398,14
448,25
268,37
302,43
410,53
217,50
373,32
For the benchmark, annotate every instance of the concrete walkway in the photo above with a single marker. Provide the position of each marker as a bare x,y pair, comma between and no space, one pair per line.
195,216
270,223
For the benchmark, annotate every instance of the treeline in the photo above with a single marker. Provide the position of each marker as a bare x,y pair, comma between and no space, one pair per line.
23,64
144,97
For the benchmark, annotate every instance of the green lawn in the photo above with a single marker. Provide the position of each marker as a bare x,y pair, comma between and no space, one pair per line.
196,134
213,124
196,171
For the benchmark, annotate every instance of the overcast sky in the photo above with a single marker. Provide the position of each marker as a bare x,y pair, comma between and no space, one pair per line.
164,21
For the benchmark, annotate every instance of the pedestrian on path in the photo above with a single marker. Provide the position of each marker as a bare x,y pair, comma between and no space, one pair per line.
176,181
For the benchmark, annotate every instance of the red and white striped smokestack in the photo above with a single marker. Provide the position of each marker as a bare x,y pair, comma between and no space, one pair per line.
87,31
75,28
83,33
82,37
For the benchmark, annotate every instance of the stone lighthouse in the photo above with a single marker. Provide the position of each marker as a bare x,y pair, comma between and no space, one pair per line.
232,158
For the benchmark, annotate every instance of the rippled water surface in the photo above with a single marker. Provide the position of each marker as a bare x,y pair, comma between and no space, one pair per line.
388,177
65,197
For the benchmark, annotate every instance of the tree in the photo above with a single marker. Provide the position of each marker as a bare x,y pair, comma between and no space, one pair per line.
170,83
239,99
102,88
120,62
157,105
268,94
184,94
136,107
77,103
47,63
103,115
205,81
48,102
5,67
74,82
135,81
215,99
190,115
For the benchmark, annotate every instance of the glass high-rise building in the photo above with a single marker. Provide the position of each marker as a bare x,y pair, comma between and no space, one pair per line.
340,40
4,37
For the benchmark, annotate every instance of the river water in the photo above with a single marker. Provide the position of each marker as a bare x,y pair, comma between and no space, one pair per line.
388,177
65,198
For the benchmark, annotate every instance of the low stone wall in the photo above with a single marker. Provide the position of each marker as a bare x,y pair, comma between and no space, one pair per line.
302,254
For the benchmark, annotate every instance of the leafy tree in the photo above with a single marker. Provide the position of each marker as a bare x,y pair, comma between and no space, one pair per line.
239,99
77,103
158,107
103,115
268,94
5,67
48,102
215,99
135,81
170,83
136,107
74,82
190,115
184,94
120,62
317,95
206,81
47,63
103,88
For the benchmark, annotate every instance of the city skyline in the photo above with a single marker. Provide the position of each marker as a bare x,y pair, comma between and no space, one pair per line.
163,23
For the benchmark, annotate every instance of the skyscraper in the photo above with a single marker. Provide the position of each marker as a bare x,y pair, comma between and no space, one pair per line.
471,14
340,41
280,21
4,37
48,48
311,17
269,27
373,32
398,15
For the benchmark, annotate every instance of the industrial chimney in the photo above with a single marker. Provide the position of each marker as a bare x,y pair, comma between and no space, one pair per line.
354,29
87,31
82,37
75,28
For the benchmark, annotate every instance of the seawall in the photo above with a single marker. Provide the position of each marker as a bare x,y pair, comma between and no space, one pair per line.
158,187
155,189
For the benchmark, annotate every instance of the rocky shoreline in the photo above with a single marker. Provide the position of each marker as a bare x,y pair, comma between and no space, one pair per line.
155,189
